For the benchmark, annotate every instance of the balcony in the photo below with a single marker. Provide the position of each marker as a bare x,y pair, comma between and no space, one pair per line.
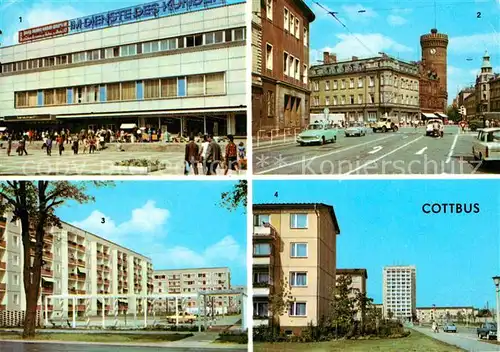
3,287
72,261
46,272
261,260
48,290
81,248
261,289
99,255
48,238
80,262
3,244
47,255
3,266
72,245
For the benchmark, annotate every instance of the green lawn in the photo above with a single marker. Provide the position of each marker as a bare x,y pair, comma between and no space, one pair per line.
415,342
100,337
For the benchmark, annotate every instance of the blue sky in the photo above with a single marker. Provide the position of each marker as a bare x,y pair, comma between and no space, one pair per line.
395,27
178,224
381,224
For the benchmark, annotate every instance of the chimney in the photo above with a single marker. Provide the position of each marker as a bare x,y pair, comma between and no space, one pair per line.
333,58
354,58
326,57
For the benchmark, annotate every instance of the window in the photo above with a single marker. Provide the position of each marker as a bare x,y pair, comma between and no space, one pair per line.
269,56
297,28
181,87
335,85
351,83
168,87
128,50
194,40
150,47
269,9
168,44
16,298
32,98
16,241
92,94
342,85
291,66
292,24
305,74
151,89
270,106
360,99
298,279
79,57
48,97
315,101
214,37
327,100
79,96
298,221
360,82
113,92
21,99
315,86
49,61
372,98
238,34
327,85
306,36
16,279
297,309
195,85
342,100
335,100
260,219
285,63
215,83
262,249
111,52
298,250
93,55
285,20
297,69
351,99
16,259
372,81
60,60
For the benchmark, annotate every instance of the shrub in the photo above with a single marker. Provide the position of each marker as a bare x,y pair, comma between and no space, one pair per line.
234,337
140,163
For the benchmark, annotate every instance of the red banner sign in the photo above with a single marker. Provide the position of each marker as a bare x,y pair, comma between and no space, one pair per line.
42,32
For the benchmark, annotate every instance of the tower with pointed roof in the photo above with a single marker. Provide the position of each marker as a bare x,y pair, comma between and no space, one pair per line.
483,86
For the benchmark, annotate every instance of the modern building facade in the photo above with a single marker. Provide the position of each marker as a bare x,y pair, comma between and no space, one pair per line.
181,73
76,262
280,63
445,314
358,284
433,72
192,281
365,89
294,252
399,292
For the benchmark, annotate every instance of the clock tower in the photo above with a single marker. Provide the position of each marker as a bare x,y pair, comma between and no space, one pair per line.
434,55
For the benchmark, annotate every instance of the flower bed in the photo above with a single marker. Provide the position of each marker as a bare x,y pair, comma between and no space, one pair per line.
138,166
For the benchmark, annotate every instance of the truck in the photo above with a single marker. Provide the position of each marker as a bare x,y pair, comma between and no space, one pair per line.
182,318
488,330
385,123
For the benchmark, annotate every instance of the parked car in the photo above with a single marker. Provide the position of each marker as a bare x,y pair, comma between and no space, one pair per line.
430,127
486,146
449,327
183,318
385,124
357,129
488,330
318,133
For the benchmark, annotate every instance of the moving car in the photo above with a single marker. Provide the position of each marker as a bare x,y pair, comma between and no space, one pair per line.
449,327
488,330
318,133
183,318
486,146
385,124
430,127
357,129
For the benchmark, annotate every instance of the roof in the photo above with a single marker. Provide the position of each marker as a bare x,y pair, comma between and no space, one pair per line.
359,272
305,206
469,307
164,271
491,129
307,11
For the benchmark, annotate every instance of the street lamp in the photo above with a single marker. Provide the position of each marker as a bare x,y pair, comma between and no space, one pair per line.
496,280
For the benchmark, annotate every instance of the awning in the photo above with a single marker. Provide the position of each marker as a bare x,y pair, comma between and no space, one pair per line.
429,116
166,113
441,115
123,301
3,129
127,126
80,271
48,280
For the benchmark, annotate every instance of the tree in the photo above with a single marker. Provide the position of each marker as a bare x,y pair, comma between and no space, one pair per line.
279,301
33,203
363,302
453,113
390,314
343,306
460,317
235,198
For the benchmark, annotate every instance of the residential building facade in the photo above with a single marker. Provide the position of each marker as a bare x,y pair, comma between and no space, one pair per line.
495,97
176,72
294,252
399,292
192,281
75,262
445,314
433,72
358,284
280,42
483,87
365,89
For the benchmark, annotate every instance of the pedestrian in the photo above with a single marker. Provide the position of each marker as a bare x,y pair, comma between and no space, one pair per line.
48,145
203,154
214,154
85,145
241,155
191,156
91,145
441,130
22,146
487,123
60,144
231,156
75,145
9,145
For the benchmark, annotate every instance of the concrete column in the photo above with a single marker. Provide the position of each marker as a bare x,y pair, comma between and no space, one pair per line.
46,312
182,126
231,123
145,309
74,312
204,125
103,313
244,312
176,311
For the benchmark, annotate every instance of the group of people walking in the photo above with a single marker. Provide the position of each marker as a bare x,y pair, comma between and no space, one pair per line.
209,155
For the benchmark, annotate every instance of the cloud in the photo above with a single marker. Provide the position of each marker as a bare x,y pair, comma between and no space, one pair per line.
474,44
349,45
41,14
395,20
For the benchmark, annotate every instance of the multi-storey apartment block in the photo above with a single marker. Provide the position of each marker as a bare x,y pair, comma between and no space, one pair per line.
294,250
358,284
444,314
177,68
399,292
75,262
192,281
365,89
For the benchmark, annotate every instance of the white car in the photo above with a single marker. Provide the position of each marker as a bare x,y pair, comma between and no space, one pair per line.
355,130
486,146
430,126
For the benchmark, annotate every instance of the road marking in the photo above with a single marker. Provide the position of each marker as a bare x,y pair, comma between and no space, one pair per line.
383,156
322,156
375,149
421,151
452,149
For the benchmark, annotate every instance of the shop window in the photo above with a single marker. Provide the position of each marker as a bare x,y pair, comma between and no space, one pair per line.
60,96
21,99
151,89
168,87
113,92
215,83
195,85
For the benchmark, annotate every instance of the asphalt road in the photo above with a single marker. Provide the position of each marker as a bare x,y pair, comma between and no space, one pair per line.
406,152
464,338
63,347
